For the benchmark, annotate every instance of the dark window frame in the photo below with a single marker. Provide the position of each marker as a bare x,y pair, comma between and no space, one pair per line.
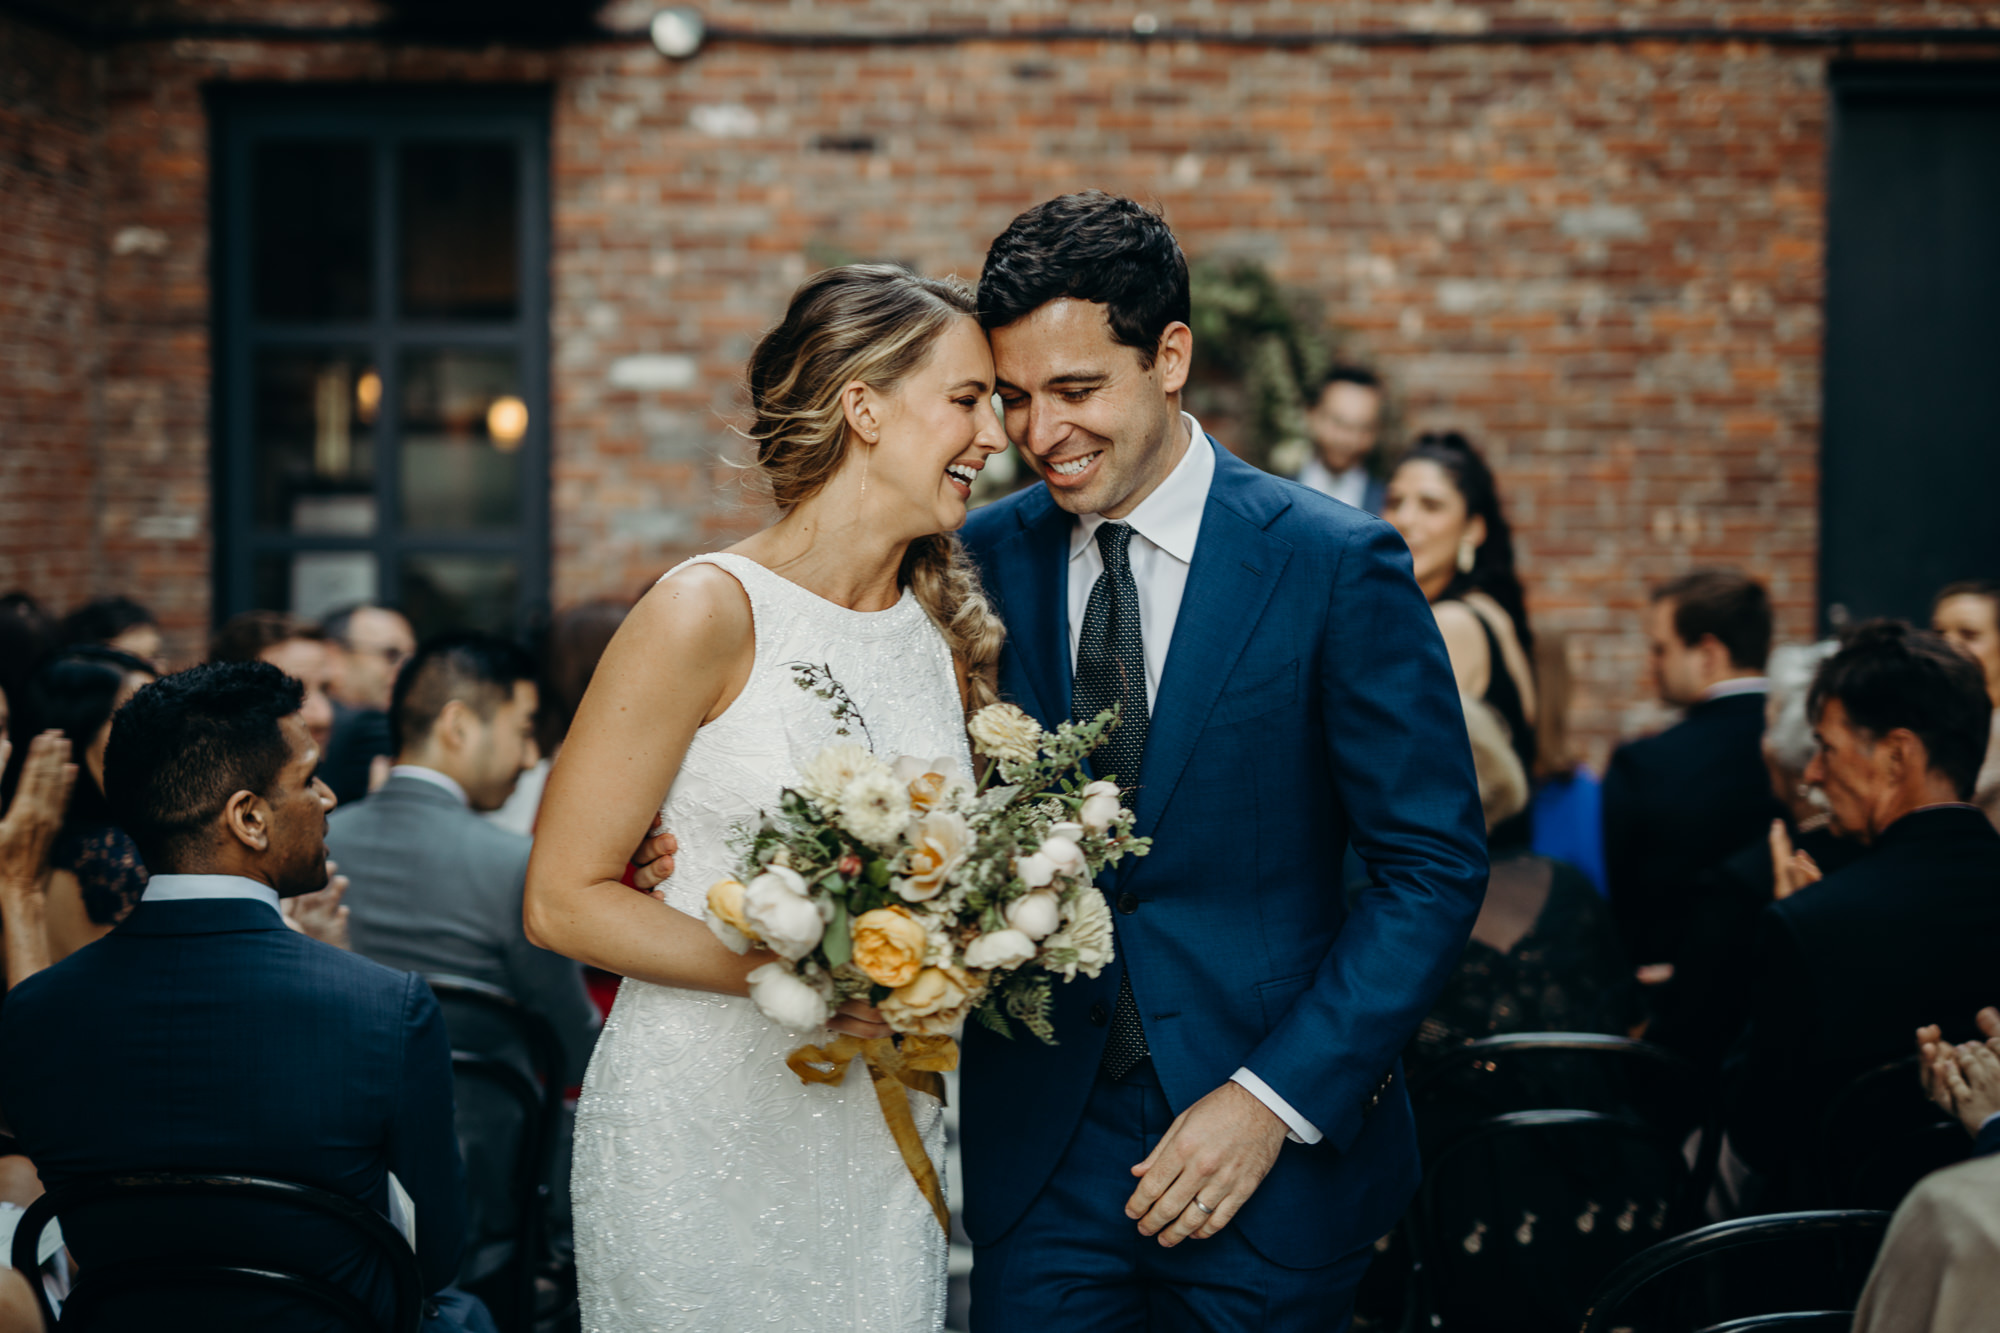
242,116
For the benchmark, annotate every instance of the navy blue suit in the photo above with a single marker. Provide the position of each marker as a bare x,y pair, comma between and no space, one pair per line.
206,1036
1306,702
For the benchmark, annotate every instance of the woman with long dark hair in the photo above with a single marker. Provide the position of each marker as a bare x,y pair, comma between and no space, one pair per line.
1443,499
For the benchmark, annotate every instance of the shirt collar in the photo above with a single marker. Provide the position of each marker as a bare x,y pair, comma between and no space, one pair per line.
186,888
1169,518
435,778
1723,689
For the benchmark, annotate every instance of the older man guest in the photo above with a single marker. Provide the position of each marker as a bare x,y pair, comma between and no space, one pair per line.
370,644
1847,968
203,1035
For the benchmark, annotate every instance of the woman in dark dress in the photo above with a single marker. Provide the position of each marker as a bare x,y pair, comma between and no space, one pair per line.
1443,501
97,875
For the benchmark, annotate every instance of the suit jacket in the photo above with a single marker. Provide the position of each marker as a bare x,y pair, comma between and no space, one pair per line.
1306,701
206,1036
1674,805
1848,969
435,888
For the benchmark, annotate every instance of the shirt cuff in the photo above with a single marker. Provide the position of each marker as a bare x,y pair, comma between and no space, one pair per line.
1300,1129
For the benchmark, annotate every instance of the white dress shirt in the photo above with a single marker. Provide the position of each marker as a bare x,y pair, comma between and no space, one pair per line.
186,888
1349,487
435,778
1164,529
1723,689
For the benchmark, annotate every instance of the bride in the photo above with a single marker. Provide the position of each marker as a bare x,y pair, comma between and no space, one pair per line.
712,1189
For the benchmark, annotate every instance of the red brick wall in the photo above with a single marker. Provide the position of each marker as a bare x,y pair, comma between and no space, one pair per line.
49,200
1602,261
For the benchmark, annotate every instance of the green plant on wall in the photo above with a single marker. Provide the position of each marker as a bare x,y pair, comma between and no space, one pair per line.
1256,348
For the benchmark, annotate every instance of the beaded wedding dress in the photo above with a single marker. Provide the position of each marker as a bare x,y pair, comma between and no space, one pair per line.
712,1189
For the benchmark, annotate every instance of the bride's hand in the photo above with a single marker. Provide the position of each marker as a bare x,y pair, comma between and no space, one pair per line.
858,1018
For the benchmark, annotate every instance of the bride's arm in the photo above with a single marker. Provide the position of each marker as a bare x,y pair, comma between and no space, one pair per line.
680,658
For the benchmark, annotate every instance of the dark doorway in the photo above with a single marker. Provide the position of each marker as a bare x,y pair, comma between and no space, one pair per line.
382,399
1910,491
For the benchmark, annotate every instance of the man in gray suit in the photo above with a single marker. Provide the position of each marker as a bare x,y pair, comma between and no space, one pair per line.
435,888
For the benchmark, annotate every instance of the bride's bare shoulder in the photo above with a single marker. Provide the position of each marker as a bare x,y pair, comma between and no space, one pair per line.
695,613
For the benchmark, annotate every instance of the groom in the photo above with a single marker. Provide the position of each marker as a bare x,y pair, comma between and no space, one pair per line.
1220,1135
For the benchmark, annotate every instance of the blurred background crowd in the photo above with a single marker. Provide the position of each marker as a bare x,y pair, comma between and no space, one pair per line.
396,346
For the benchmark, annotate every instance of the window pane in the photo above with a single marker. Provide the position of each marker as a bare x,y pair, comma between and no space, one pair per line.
442,592
464,421
313,583
311,206
313,437
459,230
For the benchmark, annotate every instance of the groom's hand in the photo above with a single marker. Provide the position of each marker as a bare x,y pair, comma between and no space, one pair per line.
1218,1152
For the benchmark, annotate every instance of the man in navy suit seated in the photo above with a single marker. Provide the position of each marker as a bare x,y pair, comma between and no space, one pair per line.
204,1035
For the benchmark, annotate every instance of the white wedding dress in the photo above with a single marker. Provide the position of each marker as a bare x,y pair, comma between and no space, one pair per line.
713,1190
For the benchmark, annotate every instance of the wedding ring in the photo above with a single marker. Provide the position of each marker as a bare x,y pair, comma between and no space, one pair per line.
1204,1207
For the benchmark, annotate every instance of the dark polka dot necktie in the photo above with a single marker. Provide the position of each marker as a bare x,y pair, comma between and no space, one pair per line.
1111,669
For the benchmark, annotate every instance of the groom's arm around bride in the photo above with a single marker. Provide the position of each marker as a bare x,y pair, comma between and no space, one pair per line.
1222,1083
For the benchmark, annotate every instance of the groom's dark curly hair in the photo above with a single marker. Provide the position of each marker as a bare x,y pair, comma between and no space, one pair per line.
1095,247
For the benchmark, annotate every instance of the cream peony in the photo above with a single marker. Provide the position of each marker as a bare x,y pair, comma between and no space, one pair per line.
826,775
929,781
1035,871
1006,733
1001,948
1063,853
780,914
1035,915
938,845
725,915
889,946
874,807
1087,930
933,1004
1100,806
786,999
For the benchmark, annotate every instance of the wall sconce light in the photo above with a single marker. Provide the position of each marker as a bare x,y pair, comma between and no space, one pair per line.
507,423
678,32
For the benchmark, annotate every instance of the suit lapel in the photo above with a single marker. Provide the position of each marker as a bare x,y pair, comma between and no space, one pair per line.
1236,567
1031,568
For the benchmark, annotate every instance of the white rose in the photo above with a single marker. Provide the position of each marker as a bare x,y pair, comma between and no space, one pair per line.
786,1000
1035,871
782,915
875,808
1035,915
1064,855
1002,948
827,773
1100,806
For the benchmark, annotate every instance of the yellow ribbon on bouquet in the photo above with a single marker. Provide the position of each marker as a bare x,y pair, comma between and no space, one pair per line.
917,1063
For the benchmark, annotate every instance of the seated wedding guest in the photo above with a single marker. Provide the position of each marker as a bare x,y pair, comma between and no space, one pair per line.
1846,968
435,888
1566,811
1702,1005
1543,955
575,644
1443,500
28,833
1344,422
97,873
1677,802
369,645
114,622
204,1036
1968,615
296,647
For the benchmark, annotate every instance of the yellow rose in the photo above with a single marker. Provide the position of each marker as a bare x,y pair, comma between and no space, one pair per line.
889,946
725,899
934,1003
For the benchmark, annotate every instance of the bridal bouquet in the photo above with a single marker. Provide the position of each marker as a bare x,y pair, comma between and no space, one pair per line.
926,896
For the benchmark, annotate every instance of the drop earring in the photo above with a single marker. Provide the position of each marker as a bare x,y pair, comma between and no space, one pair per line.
864,465
1467,553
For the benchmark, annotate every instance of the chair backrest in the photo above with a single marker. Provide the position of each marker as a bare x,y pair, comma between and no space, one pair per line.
1572,1071
192,1229
1880,1135
1524,1213
1774,1250
508,1075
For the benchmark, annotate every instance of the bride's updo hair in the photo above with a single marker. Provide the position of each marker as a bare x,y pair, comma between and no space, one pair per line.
875,323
